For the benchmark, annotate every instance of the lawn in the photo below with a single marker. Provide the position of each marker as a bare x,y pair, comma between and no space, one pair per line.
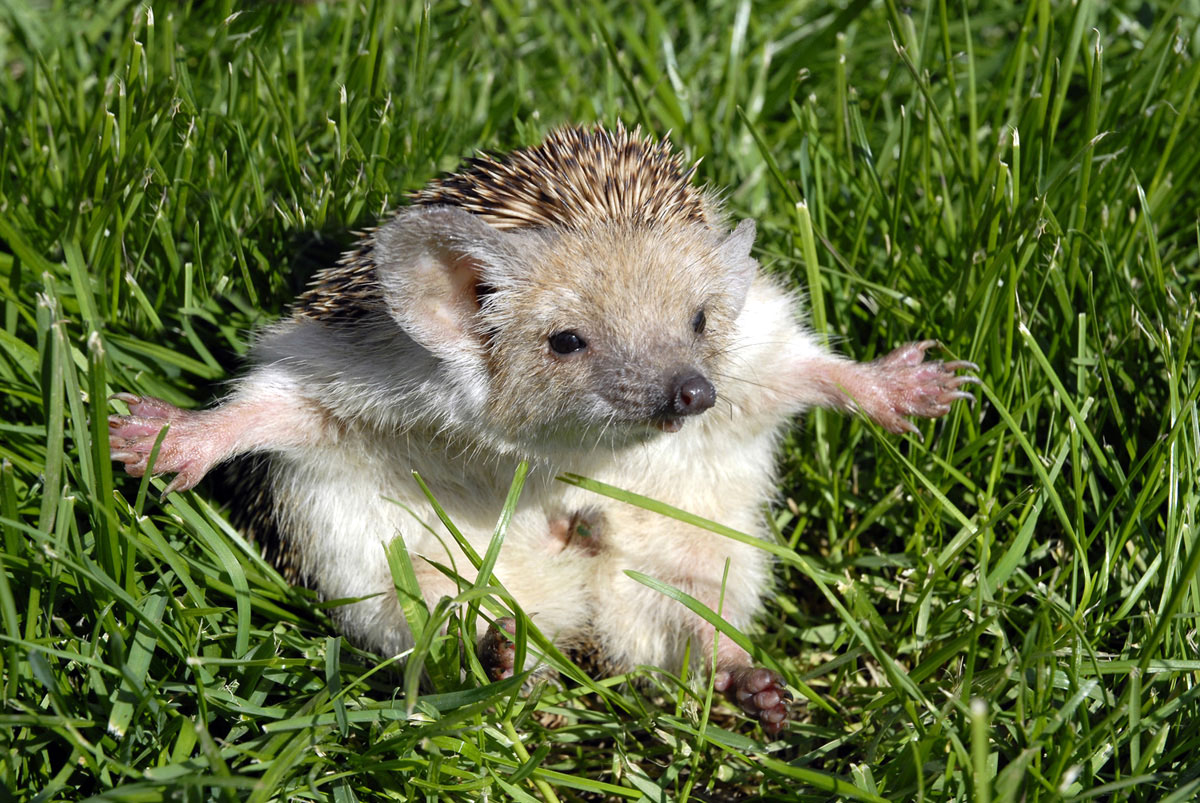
1005,608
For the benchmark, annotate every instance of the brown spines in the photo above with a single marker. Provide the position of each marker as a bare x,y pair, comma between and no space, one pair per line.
345,292
244,484
575,178
588,651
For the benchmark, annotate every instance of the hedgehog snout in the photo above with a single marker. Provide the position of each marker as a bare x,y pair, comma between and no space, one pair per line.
692,394
688,393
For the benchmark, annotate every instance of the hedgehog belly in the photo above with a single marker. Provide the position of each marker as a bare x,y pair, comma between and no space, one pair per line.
324,518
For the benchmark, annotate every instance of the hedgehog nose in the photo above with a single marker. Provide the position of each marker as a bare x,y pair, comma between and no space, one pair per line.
693,394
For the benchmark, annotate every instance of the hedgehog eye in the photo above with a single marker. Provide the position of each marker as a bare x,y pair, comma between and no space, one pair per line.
483,292
699,321
567,342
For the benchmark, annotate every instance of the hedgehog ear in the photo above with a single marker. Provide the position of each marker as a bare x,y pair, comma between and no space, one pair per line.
431,263
740,266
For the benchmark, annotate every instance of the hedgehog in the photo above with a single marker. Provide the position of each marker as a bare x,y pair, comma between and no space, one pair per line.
581,305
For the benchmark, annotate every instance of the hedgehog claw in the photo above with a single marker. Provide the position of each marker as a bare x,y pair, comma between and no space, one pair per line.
902,384
180,483
188,448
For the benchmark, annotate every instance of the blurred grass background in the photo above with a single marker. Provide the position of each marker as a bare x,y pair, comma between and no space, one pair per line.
1005,610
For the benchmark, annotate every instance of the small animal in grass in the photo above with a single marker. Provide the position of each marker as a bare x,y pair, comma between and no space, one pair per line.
582,305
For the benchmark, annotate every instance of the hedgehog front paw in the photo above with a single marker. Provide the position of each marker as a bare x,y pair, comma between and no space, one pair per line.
184,449
906,385
758,691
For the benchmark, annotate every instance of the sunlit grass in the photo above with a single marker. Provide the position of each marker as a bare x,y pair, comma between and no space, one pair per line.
1005,609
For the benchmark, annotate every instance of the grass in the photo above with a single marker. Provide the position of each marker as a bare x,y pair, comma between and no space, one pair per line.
1004,610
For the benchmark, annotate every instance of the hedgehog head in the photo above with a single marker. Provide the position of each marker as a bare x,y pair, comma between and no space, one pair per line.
584,288
615,333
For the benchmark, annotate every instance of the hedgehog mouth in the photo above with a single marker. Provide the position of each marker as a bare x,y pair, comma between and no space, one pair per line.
668,423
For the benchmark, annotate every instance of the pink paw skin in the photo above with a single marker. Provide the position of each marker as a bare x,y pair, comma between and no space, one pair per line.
496,651
183,452
902,384
760,693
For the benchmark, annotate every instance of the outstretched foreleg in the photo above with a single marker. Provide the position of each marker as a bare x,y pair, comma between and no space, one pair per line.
255,419
889,391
